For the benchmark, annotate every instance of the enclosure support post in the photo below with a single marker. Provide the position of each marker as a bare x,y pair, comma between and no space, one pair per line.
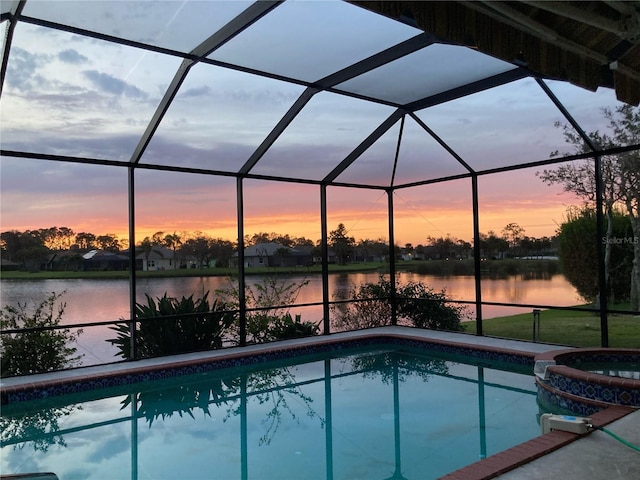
133,354
476,253
392,260
325,260
602,274
536,325
242,301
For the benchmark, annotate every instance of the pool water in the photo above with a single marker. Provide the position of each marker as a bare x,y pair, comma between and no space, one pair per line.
380,414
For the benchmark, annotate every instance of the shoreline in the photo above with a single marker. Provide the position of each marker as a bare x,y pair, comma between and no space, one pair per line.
538,268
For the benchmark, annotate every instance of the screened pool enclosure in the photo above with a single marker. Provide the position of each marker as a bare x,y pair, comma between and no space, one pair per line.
233,118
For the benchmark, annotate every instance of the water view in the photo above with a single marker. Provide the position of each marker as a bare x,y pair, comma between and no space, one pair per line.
89,300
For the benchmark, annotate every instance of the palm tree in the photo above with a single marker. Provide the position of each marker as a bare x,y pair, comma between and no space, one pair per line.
146,247
174,242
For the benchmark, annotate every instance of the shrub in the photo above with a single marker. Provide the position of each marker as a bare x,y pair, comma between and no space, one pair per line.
425,308
268,318
370,308
578,253
416,304
285,327
36,351
170,326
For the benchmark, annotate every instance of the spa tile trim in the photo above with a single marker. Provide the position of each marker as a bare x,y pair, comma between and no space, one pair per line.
565,385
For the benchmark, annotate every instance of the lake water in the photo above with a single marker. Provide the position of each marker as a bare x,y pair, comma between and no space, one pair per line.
90,300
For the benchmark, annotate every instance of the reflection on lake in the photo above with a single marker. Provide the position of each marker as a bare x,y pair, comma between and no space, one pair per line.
90,300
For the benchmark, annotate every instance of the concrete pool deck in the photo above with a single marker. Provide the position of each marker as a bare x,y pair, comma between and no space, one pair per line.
592,457
517,346
556,454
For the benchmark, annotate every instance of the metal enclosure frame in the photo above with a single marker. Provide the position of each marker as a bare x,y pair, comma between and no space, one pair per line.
328,84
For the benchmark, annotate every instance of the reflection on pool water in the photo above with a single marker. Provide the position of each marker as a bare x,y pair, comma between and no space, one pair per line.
387,413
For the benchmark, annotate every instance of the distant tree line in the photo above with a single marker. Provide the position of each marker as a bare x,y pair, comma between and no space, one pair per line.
33,249
510,243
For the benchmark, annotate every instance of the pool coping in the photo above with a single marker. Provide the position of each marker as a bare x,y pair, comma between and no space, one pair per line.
523,353
83,379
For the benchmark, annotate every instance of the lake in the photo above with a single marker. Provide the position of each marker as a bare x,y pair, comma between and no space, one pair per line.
91,300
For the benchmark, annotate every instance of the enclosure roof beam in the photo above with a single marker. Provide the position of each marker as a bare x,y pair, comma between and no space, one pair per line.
245,19
377,60
393,53
511,16
284,122
6,49
442,143
469,89
366,143
620,28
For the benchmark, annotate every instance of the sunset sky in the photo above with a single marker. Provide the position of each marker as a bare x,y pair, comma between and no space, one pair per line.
70,95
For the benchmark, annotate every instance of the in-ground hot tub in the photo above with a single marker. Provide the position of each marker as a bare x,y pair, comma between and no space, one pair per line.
585,380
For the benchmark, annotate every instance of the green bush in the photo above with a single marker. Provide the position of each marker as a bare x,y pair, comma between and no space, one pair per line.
416,304
423,307
370,308
36,351
268,318
578,253
170,326
285,327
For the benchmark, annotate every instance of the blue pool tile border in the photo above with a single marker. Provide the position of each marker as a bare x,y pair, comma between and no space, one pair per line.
136,374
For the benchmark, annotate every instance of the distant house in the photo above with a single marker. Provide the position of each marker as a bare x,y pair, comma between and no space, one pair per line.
409,254
363,256
65,260
7,265
274,254
99,260
431,253
159,258
317,259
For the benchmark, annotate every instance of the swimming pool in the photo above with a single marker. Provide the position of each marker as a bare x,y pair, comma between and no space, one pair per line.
387,411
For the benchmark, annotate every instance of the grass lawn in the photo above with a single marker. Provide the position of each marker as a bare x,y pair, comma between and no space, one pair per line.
565,327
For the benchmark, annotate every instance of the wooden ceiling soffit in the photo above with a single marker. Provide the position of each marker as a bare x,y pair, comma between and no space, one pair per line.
590,44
